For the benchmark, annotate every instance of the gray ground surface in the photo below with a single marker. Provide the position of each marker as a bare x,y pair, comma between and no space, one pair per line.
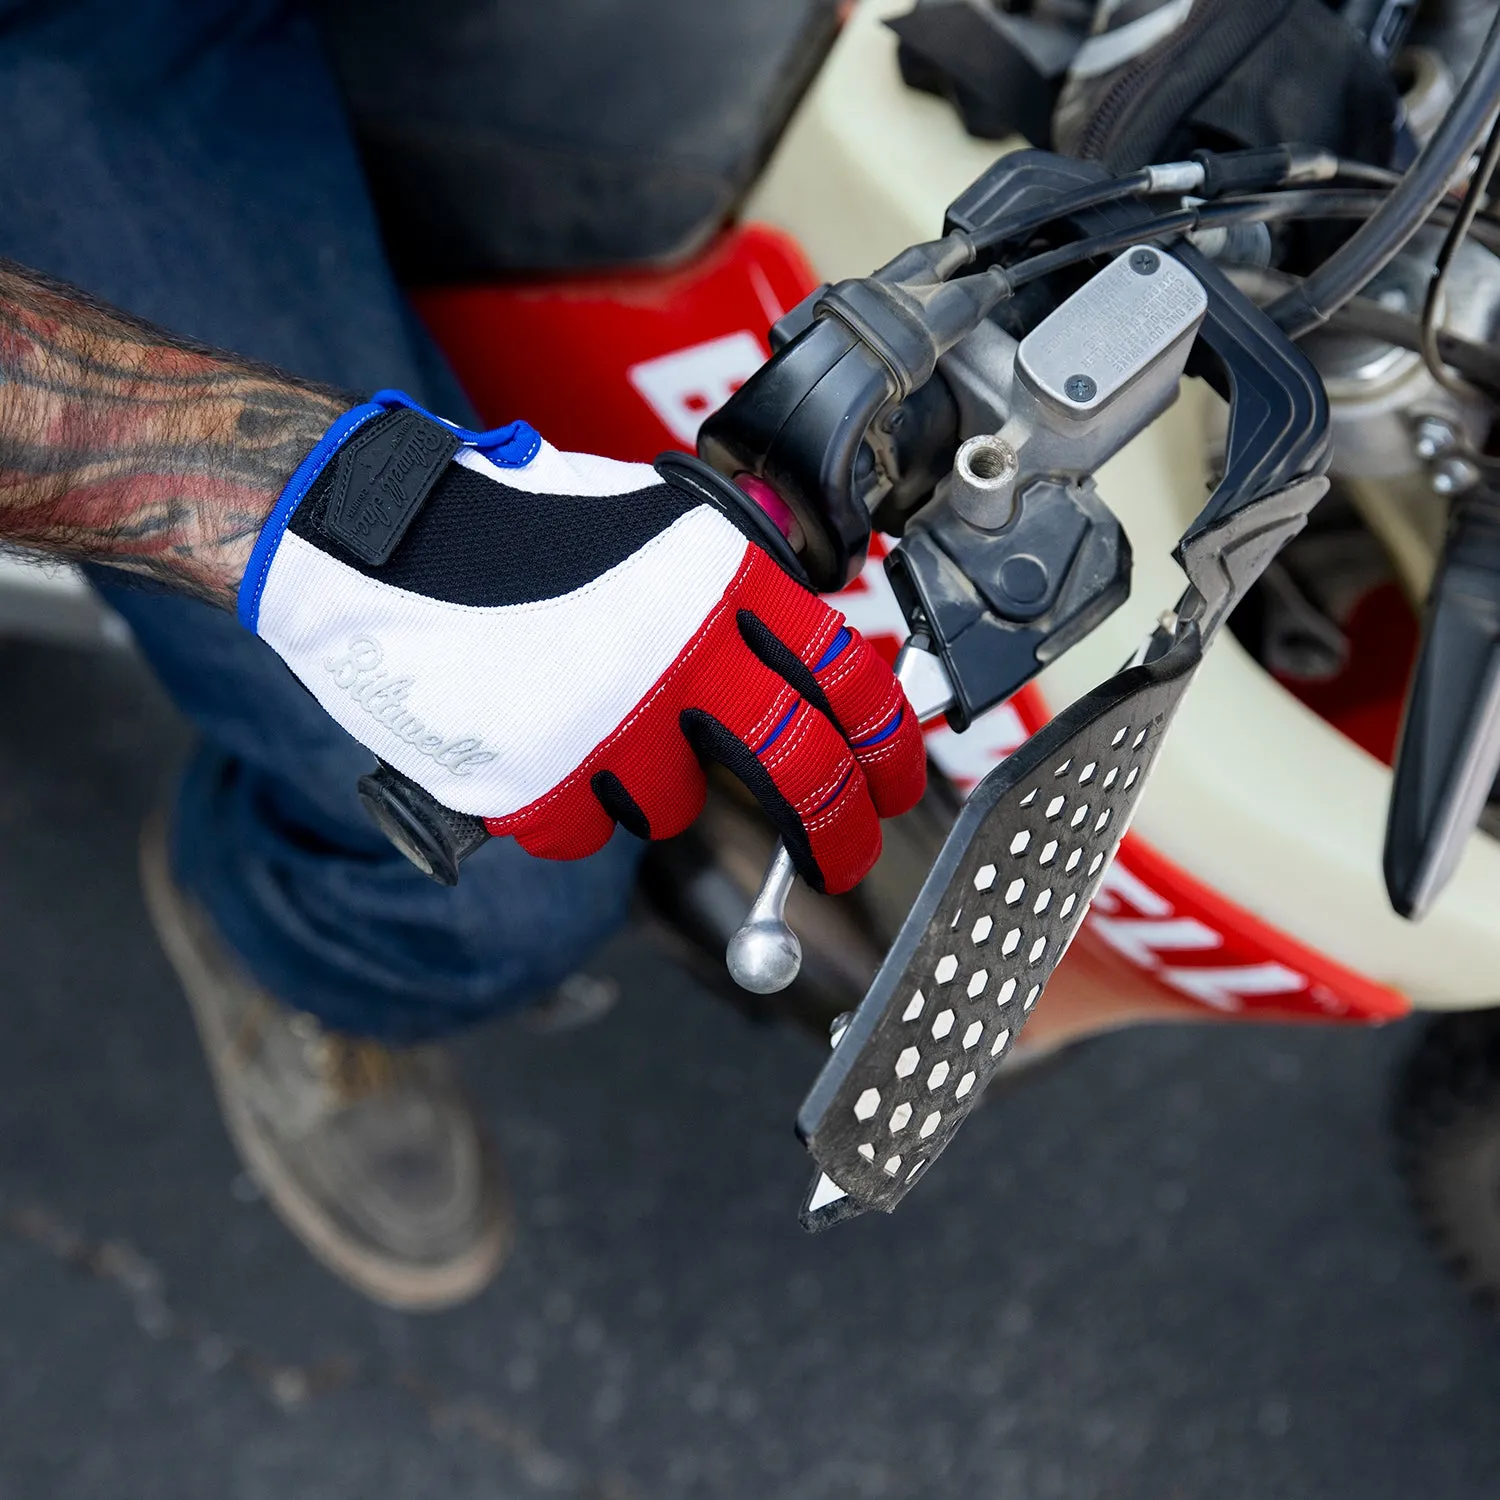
1179,1266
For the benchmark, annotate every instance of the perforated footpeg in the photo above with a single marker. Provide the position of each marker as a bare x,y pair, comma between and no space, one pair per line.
1003,901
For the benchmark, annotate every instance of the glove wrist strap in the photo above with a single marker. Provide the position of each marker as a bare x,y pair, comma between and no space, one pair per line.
385,456
378,479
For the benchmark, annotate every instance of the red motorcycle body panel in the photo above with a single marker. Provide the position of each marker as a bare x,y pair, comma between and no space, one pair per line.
624,365
630,364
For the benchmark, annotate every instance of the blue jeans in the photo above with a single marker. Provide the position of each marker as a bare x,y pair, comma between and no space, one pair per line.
188,160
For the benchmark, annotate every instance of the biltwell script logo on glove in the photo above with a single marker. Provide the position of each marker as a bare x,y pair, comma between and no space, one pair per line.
360,673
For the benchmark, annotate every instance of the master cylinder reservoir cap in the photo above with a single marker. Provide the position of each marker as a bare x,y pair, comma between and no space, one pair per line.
1137,315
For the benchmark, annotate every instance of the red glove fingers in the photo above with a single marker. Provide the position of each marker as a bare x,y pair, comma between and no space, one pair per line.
854,686
873,712
801,771
779,690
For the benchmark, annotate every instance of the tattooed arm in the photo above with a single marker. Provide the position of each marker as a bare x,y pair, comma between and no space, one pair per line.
123,445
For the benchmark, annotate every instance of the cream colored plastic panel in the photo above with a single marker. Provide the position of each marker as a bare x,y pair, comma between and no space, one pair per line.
1254,794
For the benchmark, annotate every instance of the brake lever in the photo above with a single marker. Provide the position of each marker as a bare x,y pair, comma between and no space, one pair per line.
765,955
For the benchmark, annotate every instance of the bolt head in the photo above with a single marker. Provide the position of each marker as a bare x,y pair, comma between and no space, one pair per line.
1080,388
1144,262
1432,436
1452,476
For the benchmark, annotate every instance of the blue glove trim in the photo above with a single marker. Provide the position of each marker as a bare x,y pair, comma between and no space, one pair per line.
883,735
833,796
835,649
511,447
776,733
254,581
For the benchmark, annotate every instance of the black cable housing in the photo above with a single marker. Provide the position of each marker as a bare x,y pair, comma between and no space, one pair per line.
1095,195
1458,230
1257,169
1411,202
1263,208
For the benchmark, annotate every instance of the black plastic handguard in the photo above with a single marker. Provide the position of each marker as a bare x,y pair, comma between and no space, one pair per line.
1448,754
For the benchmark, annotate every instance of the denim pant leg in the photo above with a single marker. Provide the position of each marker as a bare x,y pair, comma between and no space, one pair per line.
270,836
188,160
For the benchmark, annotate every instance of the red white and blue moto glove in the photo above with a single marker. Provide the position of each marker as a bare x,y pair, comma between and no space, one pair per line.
557,643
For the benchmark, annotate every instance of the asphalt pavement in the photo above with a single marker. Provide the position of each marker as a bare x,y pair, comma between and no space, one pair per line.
1179,1265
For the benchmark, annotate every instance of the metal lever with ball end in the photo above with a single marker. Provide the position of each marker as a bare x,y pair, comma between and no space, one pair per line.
765,956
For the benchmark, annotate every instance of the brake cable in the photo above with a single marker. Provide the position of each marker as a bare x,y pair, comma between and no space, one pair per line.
1410,204
1458,230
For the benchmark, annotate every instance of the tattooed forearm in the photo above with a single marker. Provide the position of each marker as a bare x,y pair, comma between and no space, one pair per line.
122,444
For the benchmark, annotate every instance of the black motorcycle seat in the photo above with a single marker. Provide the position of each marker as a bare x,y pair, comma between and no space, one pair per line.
567,135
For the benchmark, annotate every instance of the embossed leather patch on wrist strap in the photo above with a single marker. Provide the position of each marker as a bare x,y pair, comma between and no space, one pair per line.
380,479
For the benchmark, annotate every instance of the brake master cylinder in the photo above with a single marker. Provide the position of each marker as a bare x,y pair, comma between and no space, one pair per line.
1018,557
